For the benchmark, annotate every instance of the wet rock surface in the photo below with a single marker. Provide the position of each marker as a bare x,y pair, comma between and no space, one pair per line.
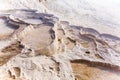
41,45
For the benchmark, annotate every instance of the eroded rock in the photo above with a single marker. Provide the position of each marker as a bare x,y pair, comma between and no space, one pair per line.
42,44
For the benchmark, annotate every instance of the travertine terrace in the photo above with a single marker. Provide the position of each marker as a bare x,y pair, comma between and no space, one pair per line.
39,46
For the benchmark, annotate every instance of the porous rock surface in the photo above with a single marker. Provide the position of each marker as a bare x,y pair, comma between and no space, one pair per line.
39,46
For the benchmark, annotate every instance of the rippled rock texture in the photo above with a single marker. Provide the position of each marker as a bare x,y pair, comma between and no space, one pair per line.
39,46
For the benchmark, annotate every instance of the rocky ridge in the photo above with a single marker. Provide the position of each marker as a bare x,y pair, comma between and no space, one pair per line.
38,43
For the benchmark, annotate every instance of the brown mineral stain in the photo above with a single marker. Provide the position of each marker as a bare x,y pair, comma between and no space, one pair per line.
89,71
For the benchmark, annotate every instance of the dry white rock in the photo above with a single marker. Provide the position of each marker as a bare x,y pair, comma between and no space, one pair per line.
41,46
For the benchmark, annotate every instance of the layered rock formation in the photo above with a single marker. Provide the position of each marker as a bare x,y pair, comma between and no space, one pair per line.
39,46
